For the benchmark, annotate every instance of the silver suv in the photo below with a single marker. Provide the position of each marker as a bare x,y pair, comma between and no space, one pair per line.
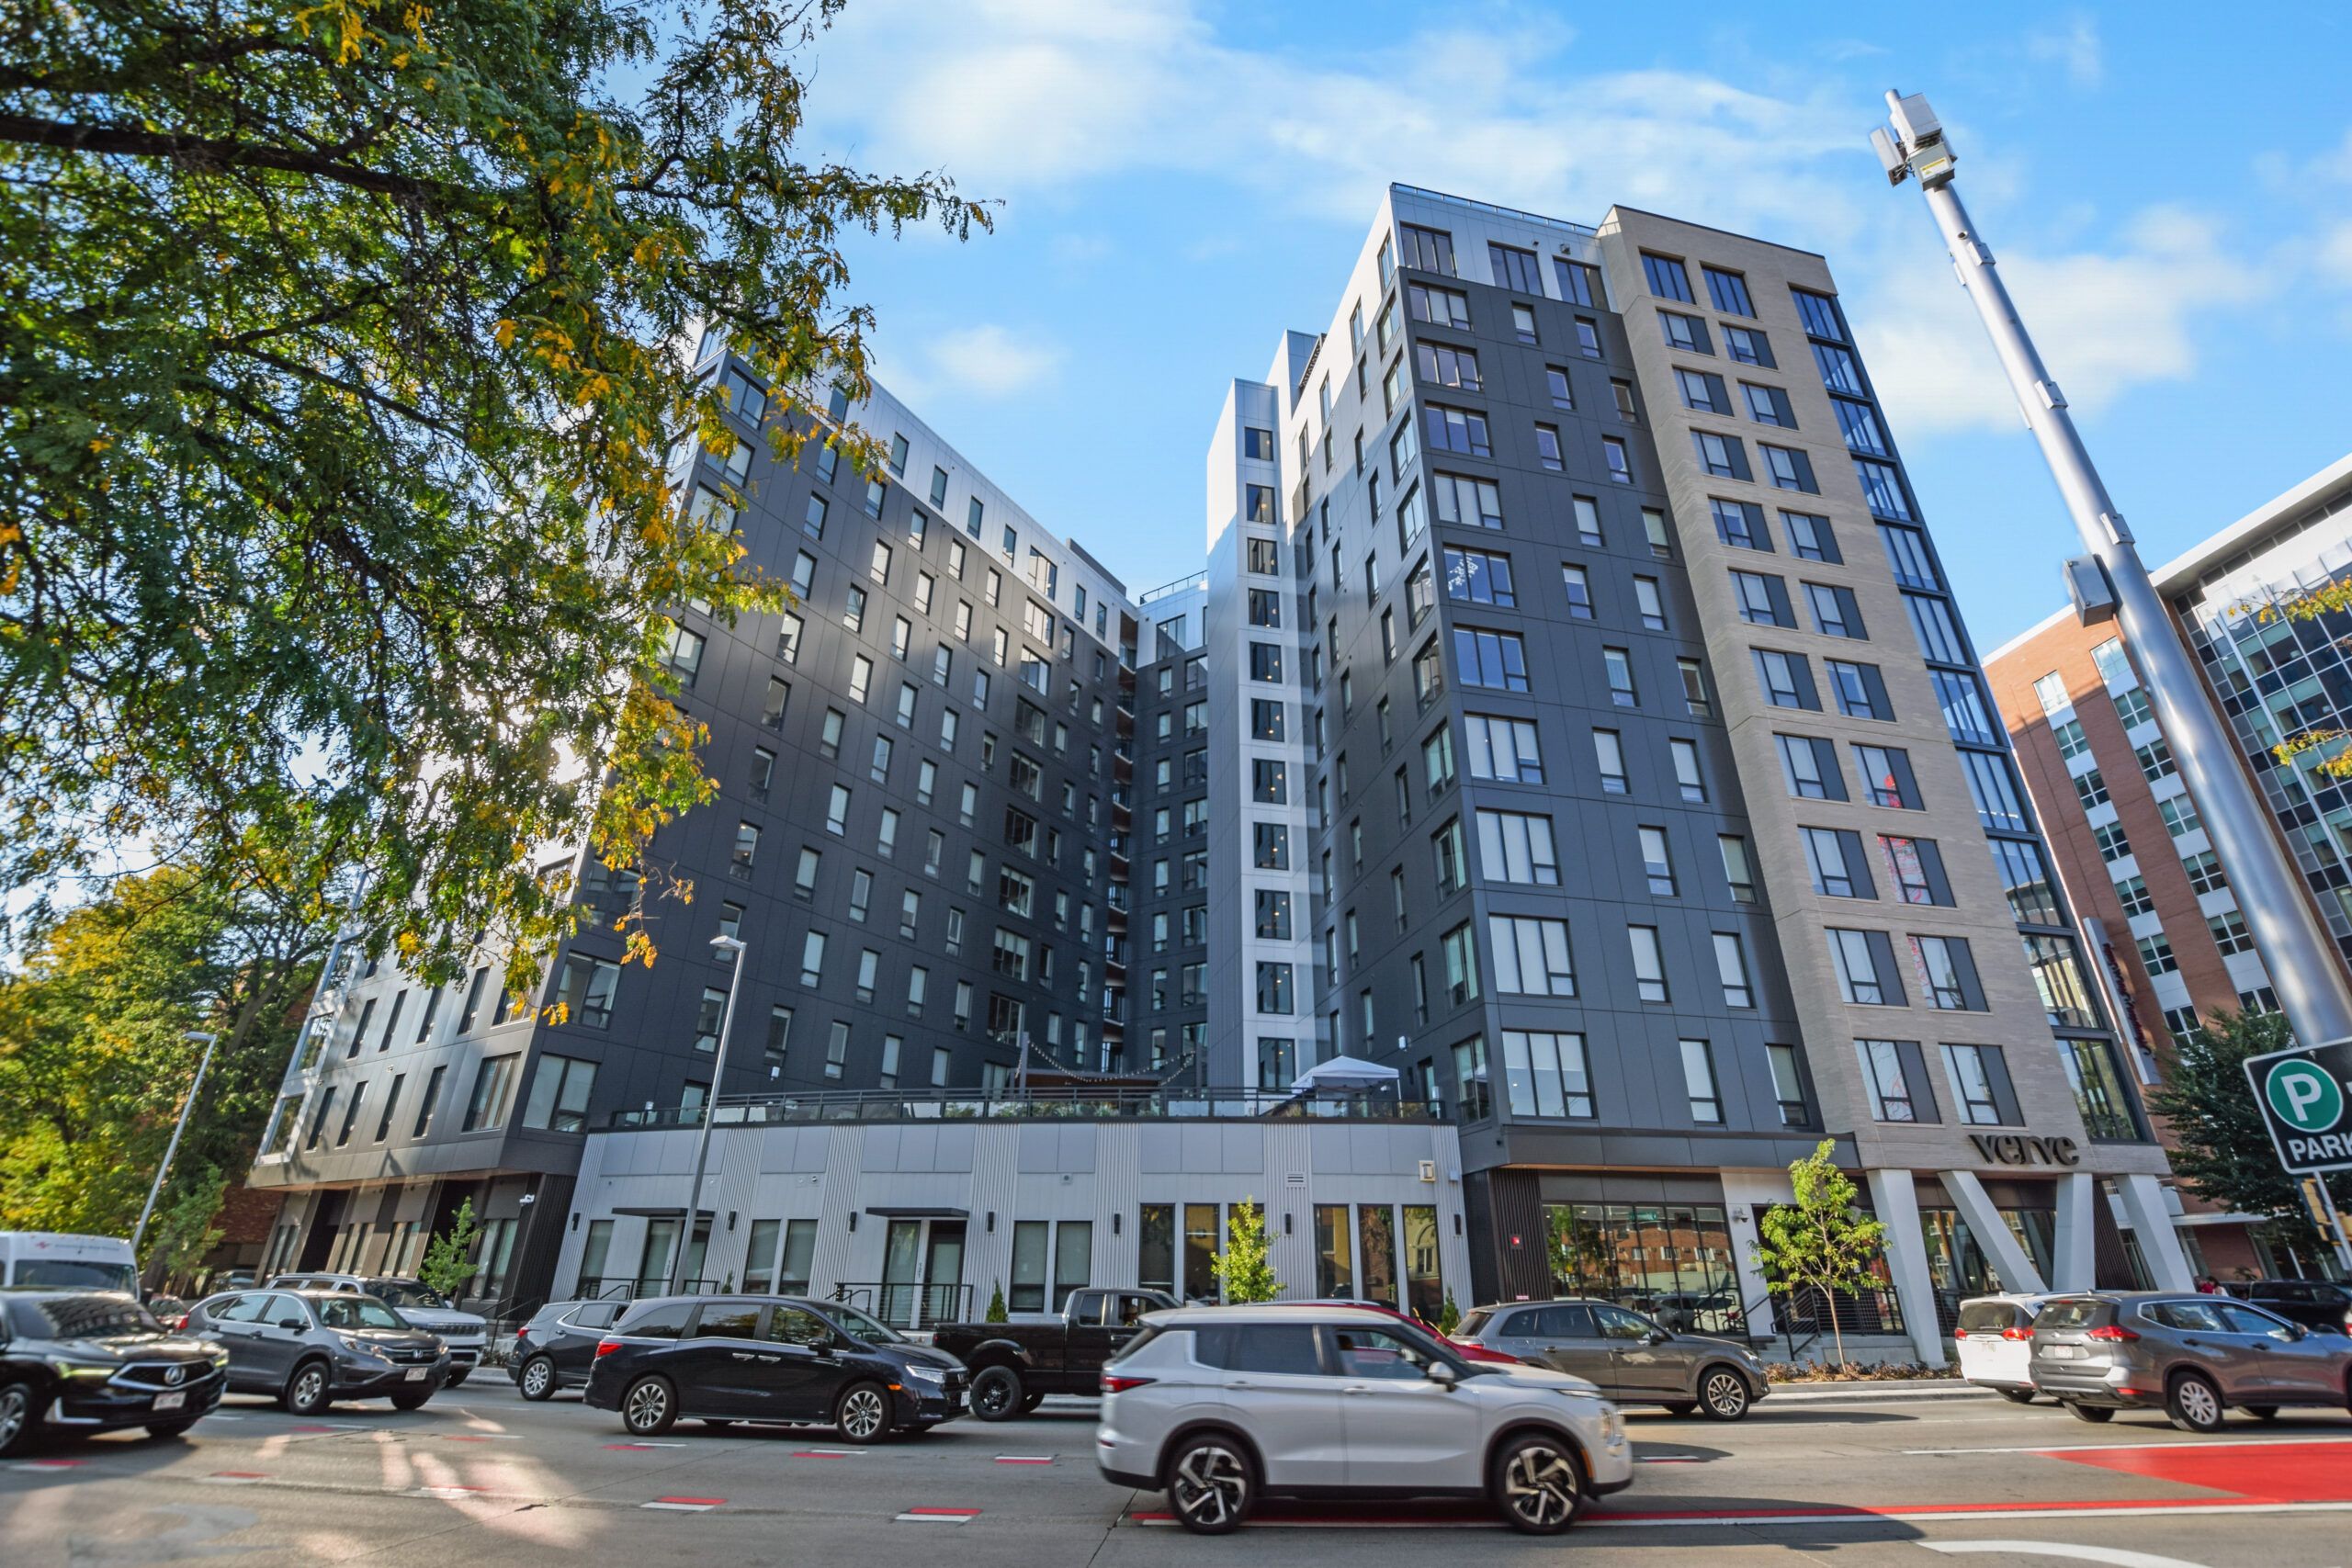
1221,1405
2192,1356
467,1334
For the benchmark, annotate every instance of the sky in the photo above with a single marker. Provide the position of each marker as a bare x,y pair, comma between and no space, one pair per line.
2168,190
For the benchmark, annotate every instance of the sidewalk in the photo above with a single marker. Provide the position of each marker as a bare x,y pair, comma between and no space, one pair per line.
1861,1389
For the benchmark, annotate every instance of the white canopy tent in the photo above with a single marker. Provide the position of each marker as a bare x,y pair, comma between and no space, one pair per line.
1344,1073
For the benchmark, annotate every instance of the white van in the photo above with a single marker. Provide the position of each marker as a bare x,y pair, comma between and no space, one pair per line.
36,1259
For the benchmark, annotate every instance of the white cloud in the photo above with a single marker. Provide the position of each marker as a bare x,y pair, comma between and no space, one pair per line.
990,358
2335,253
1045,103
2074,47
2104,320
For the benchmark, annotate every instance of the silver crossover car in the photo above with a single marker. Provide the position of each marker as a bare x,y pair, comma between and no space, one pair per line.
1222,1405
1634,1359
2190,1356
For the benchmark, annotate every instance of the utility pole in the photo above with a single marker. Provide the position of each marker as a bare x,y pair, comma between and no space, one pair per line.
732,948
2302,962
139,1232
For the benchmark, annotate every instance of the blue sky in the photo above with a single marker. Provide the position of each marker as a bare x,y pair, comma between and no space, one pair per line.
2169,194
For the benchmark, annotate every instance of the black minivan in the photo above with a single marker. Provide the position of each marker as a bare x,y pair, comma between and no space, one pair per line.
721,1359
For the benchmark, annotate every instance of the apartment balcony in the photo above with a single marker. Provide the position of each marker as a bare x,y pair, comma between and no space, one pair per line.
1166,1103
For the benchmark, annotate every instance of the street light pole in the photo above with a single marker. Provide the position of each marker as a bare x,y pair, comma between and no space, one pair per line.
2302,962
733,948
139,1231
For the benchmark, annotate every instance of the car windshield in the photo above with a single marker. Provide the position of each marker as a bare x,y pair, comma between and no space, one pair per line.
405,1293
76,1274
2070,1315
358,1311
80,1318
864,1324
1472,1323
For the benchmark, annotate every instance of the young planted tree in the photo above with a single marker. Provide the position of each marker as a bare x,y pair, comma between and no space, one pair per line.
995,1313
1243,1269
358,354
2224,1144
1821,1239
449,1256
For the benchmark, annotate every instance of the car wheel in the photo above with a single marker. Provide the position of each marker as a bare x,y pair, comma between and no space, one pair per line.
648,1406
168,1428
2194,1404
538,1381
2261,1411
20,1410
1536,1484
996,1393
1211,1484
307,1390
1722,1394
862,1413
411,1401
2095,1413
2018,1395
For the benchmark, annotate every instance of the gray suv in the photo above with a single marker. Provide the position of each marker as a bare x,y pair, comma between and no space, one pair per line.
312,1347
1632,1359
2192,1356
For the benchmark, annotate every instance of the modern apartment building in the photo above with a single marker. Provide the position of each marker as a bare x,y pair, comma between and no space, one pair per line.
921,838
2156,907
1571,717
1573,624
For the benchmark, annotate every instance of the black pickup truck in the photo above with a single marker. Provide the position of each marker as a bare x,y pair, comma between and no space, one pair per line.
1014,1365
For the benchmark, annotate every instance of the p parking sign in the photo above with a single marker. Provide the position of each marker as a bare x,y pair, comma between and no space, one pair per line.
2304,1097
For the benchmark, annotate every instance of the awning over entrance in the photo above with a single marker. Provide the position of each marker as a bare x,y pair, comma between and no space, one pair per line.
916,1211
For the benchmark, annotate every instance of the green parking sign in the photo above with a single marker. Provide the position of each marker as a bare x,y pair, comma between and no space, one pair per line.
2303,1100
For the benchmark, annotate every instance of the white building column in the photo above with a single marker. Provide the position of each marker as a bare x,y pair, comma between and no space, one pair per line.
1896,1201
1994,1237
2142,1198
2077,1266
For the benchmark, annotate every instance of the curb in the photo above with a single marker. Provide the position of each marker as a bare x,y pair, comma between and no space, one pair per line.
1861,1392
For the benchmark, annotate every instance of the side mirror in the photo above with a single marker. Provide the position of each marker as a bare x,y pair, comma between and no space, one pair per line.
295,1324
1659,1336
1443,1374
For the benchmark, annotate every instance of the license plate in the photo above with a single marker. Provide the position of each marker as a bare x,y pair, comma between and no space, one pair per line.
415,1374
172,1401
2062,1352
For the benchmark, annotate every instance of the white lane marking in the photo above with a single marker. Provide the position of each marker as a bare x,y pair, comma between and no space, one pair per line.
2115,1556
2099,1447
2090,1511
938,1517
685,1504
1025,1459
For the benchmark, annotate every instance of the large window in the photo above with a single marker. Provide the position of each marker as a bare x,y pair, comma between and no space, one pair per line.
1496,659
1545,1074
1865,965
493,1084
1503,749
1532,957
1517,847
559,1094
1895,1074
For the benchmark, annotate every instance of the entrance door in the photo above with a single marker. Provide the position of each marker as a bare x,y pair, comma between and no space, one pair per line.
943,1271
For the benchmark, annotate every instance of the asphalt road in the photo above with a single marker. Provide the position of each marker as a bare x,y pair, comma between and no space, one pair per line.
480,1478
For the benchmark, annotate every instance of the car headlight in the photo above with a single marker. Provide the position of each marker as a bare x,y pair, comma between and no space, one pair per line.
89,1372
219,1356
927,1374
1613,1425
357,1346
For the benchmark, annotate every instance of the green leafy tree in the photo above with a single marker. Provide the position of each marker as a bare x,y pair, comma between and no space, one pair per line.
343,419
94,1061
1821,1240
996,1306
449,1258
2224,1144
1243,1269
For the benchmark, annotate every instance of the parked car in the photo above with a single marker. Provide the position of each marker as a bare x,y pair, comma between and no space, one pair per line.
721,1359
555,1349
1995,1341
1015,1365
97,1361
465,1334
60,1261
1632,1359
2315,1304
1471,1349
1219,1406
169,1311
311,1349
2192,1356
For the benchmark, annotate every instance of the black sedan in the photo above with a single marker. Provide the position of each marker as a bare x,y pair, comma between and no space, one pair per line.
97,1361
721,1360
